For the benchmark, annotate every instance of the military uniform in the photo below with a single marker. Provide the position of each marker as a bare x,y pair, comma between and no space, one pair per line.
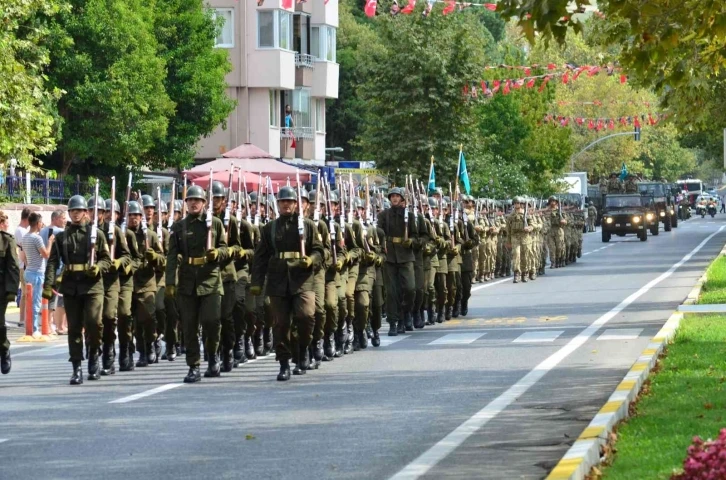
471,241
10,273
364,284
419,245
81,287
517,233
198,285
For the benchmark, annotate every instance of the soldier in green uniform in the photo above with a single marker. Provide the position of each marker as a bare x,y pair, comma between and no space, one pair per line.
453,256
442,248
196,248
120,259
288,258
556,237
126,298
10,273
379,291
82,285
348,276
171,332
366,277
516,233
431,261
153,212
471,241
419,243
229,275
399,274
244,324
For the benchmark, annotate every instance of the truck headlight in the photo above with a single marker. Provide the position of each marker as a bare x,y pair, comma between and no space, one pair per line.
672,211
662,214
609,220
636,219
649,216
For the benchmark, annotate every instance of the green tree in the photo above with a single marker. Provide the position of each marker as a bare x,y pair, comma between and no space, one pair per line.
27,102
663,156
412,87
194,81
116,107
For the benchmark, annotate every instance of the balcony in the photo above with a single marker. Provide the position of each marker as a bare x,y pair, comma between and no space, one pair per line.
304,66
325,79
304,140
305,6
325,14
271,68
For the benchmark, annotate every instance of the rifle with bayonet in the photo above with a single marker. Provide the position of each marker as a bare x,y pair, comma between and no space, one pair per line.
159,231
300,216
125,221
228,207
259,195
331,221
350,199
210,211
316,211
112,222
172,207
94,228
238,211
184,198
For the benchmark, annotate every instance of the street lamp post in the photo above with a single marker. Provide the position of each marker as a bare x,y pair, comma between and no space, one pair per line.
572,158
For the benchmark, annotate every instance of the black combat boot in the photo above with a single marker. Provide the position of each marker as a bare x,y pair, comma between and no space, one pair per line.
107,361
237,349
417,320
408,321
77,377
157,350
194,375
267,334
516,277
401,325
259,343
328,350
369,331
524,278
348,336
422,314
356,339
362,339
213,368
440,315
284,374
338,344
392,330
457,308
447,315
143,361
227,360
303,363
6,363
249,348
171,351
464,307
532,275
180,349
151,353
317,353
430,319
376,339
93,366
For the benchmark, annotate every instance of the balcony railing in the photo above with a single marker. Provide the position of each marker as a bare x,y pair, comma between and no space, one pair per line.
298,132
304,60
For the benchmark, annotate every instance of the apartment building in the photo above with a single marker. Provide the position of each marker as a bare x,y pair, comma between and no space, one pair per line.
281,57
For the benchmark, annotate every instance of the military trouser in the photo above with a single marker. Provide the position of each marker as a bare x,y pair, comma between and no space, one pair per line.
419,282
440,287
519,255
207,311
451,288
320,315
4,342
377,309
459,288
466,279
110,310
528,251
298,308
144,308
331,307
160,308
350,289
342,300
229,299
556,245
242,323
252,309
482,257
125,307
475,260
401,289
362,309
491,248
428,285
590,224
83,312
171,333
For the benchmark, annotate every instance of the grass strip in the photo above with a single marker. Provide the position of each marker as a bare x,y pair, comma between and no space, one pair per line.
714,290
684,398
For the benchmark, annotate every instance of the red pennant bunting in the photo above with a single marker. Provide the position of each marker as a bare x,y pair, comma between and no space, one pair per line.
566,77
505,90
636,122
651,120
491,6
600,125
544,84
590,125
527,71
410,7
623,79
611,124
530,83
551,66
592,71
466,89
517,84
623,121
449,8
484,87
495,86
370,8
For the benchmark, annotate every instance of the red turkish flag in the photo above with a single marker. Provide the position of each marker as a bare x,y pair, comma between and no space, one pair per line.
505,90
449,8
566,77
491,6
409,8
623,79
590,125
370,8
636,122
530,83
286,4
495,86
611,124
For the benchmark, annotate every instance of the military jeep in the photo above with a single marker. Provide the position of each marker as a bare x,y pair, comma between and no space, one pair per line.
625,214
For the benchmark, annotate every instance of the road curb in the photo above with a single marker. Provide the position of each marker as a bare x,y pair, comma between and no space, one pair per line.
585,452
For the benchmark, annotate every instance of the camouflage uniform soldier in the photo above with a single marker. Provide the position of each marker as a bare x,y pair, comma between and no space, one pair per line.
442,249
516,237
591,217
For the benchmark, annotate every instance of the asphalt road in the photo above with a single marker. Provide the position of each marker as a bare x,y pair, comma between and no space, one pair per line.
502,393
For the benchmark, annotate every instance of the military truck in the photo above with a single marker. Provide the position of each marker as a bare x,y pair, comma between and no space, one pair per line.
625,214
664,202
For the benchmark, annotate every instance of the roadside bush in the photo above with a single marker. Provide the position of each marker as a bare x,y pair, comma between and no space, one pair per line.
706,460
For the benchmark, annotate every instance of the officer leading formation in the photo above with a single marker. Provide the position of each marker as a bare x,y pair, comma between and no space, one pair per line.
223,276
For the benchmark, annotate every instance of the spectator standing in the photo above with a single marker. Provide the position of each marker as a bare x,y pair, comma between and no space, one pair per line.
288,116
56,306
19,232
34,256
723,205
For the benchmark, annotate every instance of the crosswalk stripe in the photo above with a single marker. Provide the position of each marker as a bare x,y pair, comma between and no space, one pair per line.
542,336
457,339
620,334
386,341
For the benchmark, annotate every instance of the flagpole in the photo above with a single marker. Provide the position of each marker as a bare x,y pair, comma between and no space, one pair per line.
458,170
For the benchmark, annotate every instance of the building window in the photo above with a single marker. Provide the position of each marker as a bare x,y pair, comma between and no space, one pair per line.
274,29
274,109
225,35
323,43
301,111
301,34
320,115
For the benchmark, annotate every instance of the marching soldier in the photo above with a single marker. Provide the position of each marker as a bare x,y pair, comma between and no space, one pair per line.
171,332
419,268
82,285
196,247
287,258
126,298
398,271
471,241
348,277
453,256
366,278
244,324
10,272
154,219
431,262
111,284
516,235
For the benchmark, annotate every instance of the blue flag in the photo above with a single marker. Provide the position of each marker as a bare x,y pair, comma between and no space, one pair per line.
623,172
463,173
432,178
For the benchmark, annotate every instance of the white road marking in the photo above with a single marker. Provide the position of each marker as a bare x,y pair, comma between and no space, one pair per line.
386,341
491,284
148,393
42,352
457,339
427,460
620,334
535,337
2,440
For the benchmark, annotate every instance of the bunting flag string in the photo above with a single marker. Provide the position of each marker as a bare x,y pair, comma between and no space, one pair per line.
600,123
451,6
590,69
487,88
600,103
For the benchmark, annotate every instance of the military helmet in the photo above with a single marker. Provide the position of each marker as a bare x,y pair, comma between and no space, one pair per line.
178,206
334,197
313,196
134,208
358,203
147,201
92,203
163,207
433,203
253,197
77,202
395,191
218,189
287,193
444,204
195,191
116,206
305,194
552,199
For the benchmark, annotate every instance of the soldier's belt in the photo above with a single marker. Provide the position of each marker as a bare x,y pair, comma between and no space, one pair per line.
76,267
196,261
395,239
288,255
